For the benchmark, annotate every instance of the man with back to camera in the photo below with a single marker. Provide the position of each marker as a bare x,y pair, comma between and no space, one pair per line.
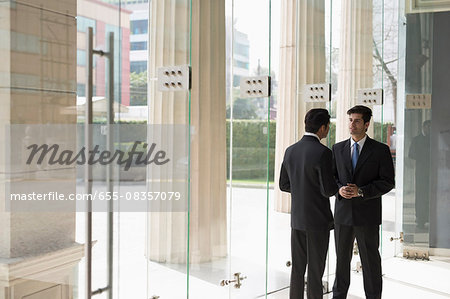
307,174
364,171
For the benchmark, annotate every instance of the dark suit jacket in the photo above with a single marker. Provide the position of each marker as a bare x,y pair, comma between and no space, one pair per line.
306,173
374,174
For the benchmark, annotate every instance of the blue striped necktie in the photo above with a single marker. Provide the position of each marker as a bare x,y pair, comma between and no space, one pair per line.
355,155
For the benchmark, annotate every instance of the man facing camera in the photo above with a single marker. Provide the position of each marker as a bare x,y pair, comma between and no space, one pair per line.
307,174
364,171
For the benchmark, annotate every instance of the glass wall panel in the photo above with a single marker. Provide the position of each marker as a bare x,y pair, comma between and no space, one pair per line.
422,147
103,19
39,256
383,114
129,266
332,39
250,132
307,25
131,269
387,64
357,60
279,223
167,227
417,128
247,158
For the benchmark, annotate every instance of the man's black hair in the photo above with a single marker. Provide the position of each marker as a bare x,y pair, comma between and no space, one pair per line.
359,109
315,118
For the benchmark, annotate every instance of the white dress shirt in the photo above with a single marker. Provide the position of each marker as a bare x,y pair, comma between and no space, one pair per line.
312,134
360,144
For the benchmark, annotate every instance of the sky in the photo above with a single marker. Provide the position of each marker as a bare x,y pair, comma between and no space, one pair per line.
252,18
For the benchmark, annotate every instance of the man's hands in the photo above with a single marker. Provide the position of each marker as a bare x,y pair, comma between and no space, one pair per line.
349,191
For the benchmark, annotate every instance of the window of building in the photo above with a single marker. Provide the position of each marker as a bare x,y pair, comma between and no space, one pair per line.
81,90
139,26
136,46
241,64
83,23
236,80
241,49
138,66
81,57
125,2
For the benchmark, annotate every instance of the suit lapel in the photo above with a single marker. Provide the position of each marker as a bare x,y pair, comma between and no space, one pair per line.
346,156
365,153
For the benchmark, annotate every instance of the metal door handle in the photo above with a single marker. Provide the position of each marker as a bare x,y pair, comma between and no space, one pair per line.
237,279
399,238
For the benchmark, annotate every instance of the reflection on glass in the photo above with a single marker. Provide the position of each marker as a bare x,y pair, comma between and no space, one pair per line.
417,159
166,234
419,151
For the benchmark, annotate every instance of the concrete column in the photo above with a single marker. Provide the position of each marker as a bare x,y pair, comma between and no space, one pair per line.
355,60
38,254
170,46
302,61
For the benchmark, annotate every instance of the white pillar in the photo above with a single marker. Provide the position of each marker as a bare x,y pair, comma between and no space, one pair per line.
170,46
355,60
302,61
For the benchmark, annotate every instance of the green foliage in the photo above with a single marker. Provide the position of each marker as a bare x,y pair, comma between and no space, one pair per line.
243,109
331,138
97,121
126,147
138,89
250,149
380,133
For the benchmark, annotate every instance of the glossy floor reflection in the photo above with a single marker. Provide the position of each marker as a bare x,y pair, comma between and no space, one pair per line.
392,288
138,280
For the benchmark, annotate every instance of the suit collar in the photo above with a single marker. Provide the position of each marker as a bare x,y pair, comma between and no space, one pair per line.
312,134
360,143
310,138
365,153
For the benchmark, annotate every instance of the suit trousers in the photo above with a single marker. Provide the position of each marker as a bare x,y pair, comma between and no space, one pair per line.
368,240
308,248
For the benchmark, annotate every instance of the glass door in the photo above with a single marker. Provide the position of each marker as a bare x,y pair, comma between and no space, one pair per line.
361,51
417,127
421,158
251,149
119,237
385,50
235,266
103,20
168,218
307,55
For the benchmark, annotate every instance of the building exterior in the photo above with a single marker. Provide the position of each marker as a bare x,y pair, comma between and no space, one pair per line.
241,66
108,21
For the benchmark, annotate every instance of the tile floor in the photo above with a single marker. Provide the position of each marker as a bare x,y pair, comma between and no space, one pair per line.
136,277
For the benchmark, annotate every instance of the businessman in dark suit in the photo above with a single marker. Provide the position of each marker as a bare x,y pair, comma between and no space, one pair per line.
307,174
364,171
